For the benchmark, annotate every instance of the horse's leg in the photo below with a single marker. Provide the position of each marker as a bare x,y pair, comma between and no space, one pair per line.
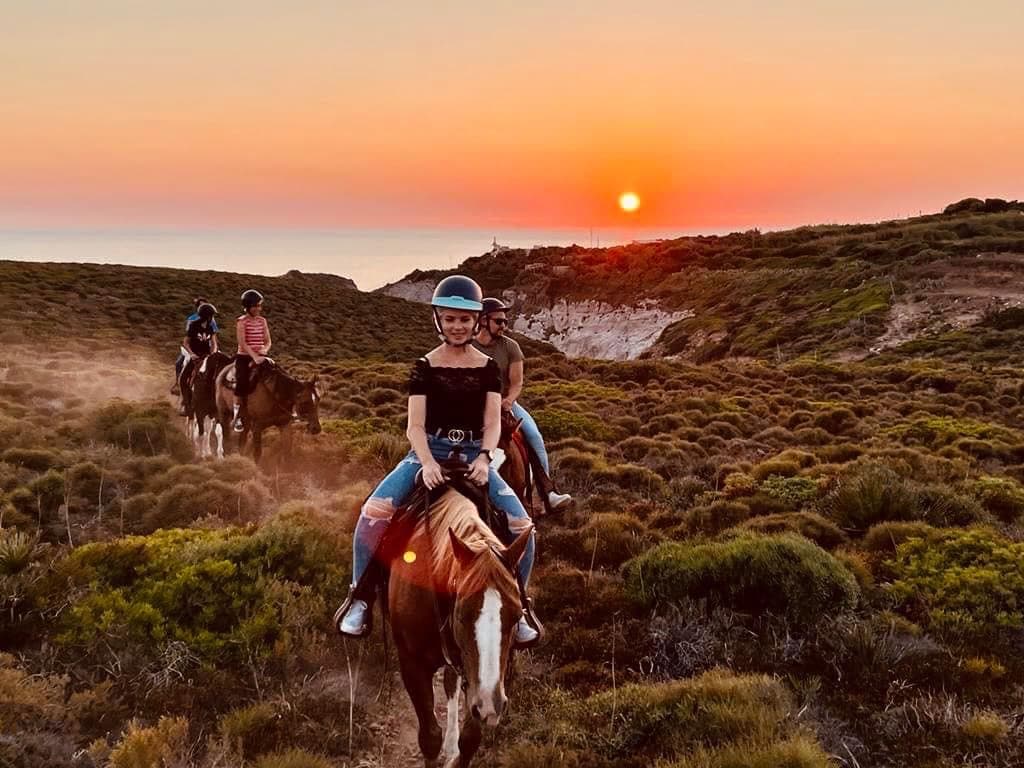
469,741
419,683
257,445
207,449
218,428
451,731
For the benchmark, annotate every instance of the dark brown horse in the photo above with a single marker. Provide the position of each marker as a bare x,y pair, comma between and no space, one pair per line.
199,398
276,400
454,603
515,468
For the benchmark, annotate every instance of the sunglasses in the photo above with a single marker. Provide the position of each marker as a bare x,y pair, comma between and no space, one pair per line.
499,320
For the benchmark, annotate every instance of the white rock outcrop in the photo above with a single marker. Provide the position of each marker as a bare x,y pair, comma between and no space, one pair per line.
597,329
421,291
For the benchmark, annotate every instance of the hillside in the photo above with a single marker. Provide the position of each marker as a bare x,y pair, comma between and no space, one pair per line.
843,292
795,562
312,316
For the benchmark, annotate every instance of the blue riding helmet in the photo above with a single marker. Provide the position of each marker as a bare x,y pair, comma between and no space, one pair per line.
458,292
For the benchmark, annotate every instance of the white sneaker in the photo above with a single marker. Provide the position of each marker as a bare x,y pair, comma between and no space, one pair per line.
525,634
558,500
354,623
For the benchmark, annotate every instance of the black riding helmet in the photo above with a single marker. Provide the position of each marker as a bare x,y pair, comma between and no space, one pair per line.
206,311
251,298
456,292
491,305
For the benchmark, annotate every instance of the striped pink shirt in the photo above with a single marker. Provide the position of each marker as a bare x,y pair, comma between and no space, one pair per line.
255,329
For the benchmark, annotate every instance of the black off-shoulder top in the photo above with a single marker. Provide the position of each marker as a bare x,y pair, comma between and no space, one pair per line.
456,397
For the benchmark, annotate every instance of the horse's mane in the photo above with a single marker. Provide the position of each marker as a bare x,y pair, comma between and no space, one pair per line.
454,511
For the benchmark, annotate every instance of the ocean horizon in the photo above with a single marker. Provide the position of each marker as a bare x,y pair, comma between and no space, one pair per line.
370,257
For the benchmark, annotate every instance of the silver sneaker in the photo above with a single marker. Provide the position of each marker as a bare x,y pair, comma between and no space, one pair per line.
525,634
354,623
558,500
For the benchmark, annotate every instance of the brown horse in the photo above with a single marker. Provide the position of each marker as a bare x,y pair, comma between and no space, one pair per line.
515,469
199,397
276,400
454,603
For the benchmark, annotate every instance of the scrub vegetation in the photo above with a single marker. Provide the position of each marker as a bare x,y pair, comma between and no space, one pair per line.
795,562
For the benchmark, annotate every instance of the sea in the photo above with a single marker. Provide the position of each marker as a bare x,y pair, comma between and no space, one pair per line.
370,257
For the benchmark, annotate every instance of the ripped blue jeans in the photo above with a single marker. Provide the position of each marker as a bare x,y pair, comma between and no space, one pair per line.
532,434
396,488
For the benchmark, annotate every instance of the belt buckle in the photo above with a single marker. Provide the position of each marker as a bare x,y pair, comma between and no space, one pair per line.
456,435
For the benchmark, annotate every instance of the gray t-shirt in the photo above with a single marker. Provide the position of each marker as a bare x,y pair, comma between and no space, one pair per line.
504,351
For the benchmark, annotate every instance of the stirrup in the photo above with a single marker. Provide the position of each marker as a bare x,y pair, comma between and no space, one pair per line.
339,616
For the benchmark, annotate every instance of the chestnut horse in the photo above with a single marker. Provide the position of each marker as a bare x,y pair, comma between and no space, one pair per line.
454,602
515,468
276,400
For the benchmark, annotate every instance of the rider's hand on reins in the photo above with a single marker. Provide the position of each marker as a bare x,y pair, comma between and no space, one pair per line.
432,475
479,470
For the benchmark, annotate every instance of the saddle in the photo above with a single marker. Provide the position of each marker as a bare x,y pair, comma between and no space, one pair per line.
255,374
404,523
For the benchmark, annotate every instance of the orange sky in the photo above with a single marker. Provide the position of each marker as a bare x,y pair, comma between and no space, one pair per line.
453,113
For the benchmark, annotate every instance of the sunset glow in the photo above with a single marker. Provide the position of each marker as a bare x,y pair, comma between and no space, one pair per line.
403,114
629,202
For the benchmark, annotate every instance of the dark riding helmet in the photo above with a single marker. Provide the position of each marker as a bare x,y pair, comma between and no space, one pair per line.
251,298
456,292
206,311
491,305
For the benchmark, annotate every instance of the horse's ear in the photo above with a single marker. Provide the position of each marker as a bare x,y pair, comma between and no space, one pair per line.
514,553
463,554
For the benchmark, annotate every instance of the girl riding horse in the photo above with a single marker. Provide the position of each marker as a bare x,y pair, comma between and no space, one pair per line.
253,336
454,410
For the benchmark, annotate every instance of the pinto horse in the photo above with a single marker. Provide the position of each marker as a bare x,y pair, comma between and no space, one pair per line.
454,602
199,397
276,400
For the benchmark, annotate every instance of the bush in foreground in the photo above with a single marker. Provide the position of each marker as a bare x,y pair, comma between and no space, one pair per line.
783,574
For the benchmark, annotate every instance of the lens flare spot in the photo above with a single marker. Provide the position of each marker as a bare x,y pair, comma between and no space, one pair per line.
409,557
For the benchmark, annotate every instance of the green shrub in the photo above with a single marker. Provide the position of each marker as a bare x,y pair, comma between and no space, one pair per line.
794,492
966,584
613,538
811,525
716,517
782,574
986,727
143,429
797,752
293,758
781,467
31,458
17,549
230,595
164,744
1001,496
27,699
870,493
669,720
246,728
556,424
886,537
739,484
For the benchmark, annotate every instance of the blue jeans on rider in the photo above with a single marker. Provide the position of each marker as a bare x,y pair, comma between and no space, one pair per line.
532,434
396,488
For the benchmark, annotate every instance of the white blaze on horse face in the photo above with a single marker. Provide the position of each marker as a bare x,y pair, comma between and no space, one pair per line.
488,643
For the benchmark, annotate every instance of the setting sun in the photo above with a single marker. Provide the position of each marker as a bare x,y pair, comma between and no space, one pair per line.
629,201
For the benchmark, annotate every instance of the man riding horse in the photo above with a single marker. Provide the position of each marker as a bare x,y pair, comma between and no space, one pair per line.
492,341
454,411
200,341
